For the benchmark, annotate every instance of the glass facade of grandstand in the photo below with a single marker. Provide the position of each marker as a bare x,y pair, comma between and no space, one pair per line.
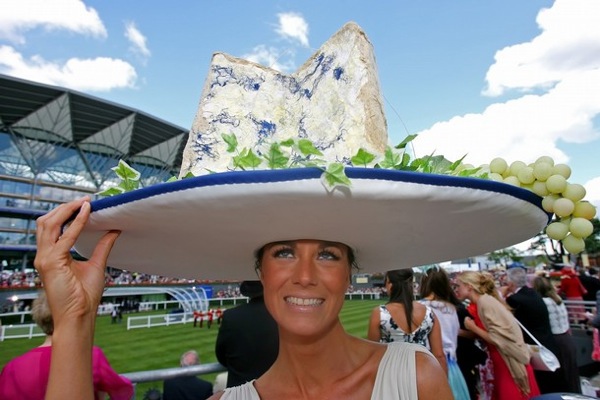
57,145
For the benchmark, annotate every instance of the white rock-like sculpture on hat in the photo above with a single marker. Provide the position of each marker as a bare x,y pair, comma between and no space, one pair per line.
334,99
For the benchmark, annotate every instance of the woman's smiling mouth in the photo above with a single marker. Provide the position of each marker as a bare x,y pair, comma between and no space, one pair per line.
297,301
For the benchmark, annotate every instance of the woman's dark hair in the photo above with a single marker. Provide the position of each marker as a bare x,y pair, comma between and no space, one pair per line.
436,281
402,291
258,255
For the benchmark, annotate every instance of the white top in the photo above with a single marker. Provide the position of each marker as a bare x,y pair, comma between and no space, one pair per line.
396,376
559,317
449,324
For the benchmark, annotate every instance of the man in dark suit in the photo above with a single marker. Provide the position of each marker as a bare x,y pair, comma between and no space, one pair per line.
591,283
187,387
248,339
531,311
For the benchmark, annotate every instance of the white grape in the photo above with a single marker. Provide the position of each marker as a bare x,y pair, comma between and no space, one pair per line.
545,159
498,165
515,167
548,203
584,209
498,178
556,184
573,245
512,180
563,207
574,191
557,230
581,227
562,169
525,175
542,171
540,188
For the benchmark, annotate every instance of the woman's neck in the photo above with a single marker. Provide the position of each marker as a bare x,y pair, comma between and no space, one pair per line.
475,297
47,341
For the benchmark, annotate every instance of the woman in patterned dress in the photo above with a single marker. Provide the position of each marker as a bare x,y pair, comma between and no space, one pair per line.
403,319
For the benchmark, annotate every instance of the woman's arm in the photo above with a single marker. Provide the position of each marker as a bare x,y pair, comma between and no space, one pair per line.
437,348
432,382
74,290
482,333
374,333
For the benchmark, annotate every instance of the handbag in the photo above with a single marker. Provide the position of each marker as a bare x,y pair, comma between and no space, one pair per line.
542,359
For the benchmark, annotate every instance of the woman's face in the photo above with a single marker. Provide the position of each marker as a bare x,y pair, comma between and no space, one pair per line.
304,284
462,290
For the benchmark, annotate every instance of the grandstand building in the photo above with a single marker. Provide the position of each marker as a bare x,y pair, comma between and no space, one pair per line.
57,144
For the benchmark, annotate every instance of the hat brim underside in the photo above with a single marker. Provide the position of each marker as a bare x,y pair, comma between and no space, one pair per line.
209,227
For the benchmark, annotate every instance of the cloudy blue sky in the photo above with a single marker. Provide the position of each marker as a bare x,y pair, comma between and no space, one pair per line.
510,78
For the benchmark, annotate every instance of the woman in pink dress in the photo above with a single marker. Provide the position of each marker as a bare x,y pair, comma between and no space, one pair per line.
513,377
26,377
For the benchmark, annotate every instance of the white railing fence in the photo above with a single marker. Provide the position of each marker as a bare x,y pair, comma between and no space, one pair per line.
27,331
577,315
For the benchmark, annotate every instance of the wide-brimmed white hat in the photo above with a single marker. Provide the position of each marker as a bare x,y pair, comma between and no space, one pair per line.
210,226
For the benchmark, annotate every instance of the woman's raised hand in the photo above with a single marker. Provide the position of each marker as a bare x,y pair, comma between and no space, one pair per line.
74,288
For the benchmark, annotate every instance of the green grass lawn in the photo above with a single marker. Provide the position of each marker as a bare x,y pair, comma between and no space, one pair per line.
146,349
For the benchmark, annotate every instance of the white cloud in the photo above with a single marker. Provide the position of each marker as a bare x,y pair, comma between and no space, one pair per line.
17,17
137,40
271,57
533,124
97,74
523,128
592,188
569,43
293,26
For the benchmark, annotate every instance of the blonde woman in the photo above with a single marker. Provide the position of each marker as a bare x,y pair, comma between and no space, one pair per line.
495,324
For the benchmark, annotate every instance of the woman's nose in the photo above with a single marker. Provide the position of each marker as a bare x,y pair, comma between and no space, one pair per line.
305,272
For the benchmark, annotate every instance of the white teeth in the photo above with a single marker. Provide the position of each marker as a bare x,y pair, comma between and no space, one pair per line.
303,302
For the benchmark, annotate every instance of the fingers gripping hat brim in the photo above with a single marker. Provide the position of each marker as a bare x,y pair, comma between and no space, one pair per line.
209,227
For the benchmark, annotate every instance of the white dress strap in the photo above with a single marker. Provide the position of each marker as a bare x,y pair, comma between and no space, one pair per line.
242,392
397,374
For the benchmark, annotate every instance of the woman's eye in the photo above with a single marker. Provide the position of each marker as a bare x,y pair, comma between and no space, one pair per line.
283,253
328,255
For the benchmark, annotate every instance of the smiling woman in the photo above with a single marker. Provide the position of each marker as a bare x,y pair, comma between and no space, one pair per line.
304,285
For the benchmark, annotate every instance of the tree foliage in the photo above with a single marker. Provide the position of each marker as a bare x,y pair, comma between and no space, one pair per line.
505,256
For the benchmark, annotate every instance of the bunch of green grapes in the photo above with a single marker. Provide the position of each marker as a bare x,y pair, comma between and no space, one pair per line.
549,181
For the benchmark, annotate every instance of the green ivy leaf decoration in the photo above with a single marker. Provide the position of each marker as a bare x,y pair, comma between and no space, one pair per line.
334,175
231,141
390,160
362,158
288,143
247,159
126,172
291,153
130,178
402,145
307,148
112,191
276,159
